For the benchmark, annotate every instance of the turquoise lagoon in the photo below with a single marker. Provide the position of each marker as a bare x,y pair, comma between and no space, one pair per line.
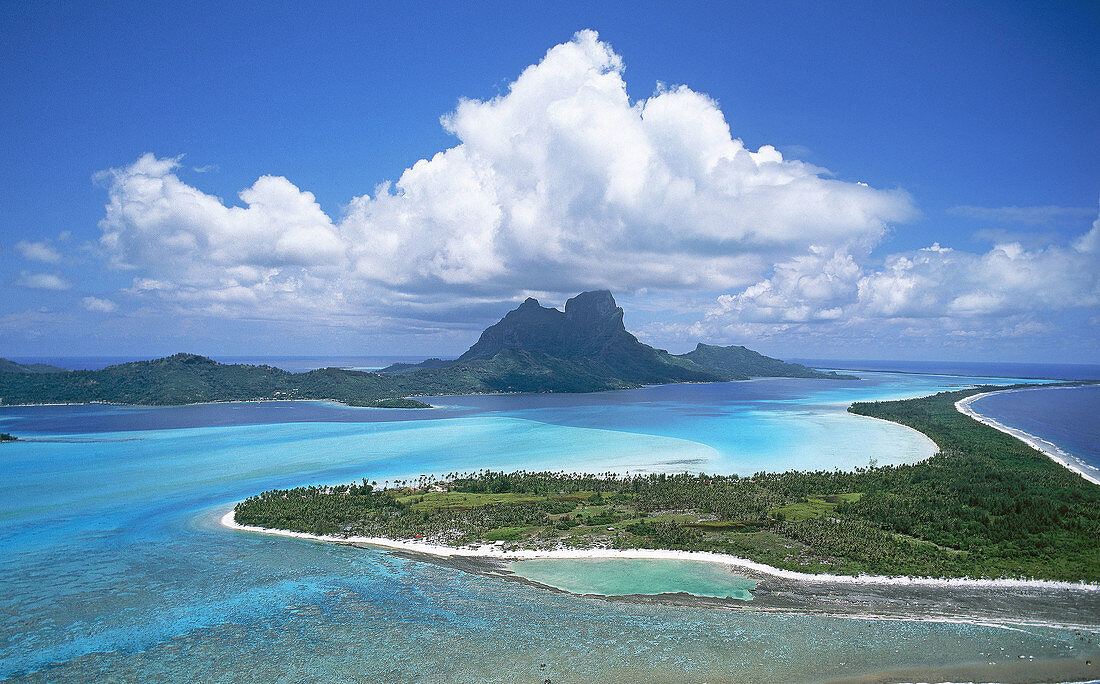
634,576
114,565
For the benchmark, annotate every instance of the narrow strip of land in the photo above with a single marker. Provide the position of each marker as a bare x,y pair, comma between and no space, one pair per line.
987,507
503,553
1052,450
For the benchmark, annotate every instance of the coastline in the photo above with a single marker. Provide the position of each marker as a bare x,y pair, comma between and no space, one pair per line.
501,554
1052,451
933,448
338,402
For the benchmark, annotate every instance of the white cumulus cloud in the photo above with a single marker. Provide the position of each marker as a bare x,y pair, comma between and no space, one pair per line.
42,281
812,287
1089,243
38,251
561,183
564,183
926,283
196,251
1006,279
98,305
153,217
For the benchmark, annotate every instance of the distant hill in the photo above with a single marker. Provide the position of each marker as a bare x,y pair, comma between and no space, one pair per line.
189,378
744,361
7,366
584,348
588,341
591,325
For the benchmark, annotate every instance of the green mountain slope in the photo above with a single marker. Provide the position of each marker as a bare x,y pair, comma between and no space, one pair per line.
187,378
747,363
7,366
584,348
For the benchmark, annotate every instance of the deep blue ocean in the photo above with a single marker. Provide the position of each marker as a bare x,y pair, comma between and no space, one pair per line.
114,565
1068,417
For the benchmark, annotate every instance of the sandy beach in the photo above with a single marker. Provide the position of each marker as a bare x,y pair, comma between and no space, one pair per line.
1051,450
1009,603
503,554
1005,604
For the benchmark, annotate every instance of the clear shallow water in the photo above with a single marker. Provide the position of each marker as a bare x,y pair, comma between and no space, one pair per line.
113,564
773,424
630,576
743,427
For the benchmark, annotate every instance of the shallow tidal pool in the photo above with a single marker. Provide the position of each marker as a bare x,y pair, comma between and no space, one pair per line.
635,576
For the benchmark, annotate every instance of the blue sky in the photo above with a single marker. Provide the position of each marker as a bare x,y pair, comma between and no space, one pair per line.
867,180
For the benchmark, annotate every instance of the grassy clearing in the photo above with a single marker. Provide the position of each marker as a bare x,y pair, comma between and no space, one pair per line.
813,507
459,501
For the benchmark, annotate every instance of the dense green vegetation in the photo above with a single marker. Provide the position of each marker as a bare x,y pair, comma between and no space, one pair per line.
586,347
400,403
8,366
187,378
533,349
8,437
748,363
987,505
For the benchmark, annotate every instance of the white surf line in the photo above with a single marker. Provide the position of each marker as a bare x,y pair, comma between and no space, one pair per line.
500,553
1053,451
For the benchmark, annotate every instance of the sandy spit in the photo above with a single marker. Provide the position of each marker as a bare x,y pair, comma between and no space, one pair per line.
1051,450
500,553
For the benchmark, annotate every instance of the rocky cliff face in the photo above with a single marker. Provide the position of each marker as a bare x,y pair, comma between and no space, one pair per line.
593,311
586,348
591,321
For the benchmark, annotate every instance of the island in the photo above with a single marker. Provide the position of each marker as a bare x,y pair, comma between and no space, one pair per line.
8,366
986,506
585,348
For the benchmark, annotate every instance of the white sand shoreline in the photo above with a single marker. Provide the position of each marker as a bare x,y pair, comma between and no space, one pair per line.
929,444
1051,450
499,553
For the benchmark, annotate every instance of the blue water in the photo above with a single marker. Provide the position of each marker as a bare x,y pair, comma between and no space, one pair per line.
114,567
1068,417
299,364
772,424
1050,371
743,427
633,576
